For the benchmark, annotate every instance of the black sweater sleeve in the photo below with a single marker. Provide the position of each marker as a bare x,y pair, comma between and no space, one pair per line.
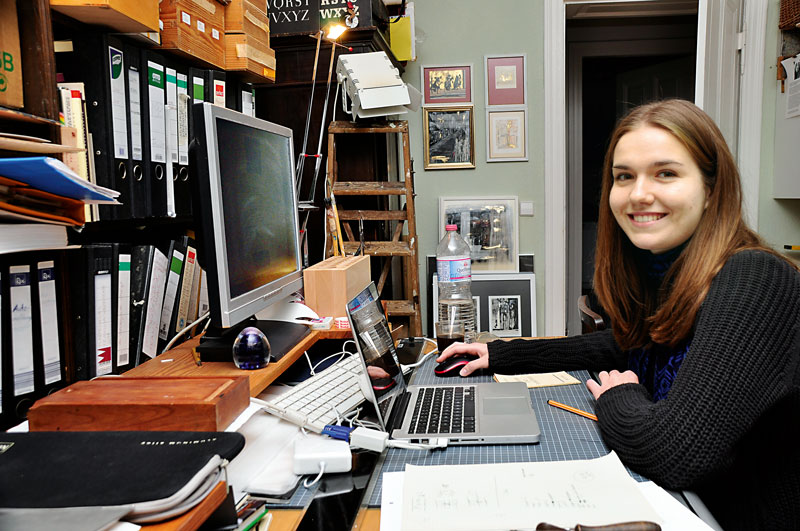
742,361
596,351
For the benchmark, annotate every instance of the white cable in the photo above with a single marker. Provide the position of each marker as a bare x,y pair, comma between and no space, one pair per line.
377,441
307,485
308,359
184,330
419,362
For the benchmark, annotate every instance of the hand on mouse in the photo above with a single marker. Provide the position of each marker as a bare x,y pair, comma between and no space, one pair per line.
473,349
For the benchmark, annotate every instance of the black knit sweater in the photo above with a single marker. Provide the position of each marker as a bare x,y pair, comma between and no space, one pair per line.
729,428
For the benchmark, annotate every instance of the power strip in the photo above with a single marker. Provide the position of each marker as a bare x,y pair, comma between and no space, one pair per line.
310,451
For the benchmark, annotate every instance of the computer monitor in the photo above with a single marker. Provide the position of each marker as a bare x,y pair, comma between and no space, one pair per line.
246,218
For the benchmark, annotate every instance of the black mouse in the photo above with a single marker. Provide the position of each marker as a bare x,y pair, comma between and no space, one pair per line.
452,365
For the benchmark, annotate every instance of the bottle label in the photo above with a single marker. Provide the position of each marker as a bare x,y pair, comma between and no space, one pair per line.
454,269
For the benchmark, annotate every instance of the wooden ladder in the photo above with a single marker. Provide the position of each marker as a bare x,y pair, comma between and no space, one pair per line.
400,245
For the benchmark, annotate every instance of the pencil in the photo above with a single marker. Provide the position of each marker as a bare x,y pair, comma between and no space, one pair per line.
572,410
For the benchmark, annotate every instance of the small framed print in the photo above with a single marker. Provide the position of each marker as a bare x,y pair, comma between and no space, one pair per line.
447,84
448,137
506,140
505,80
476,303
504,316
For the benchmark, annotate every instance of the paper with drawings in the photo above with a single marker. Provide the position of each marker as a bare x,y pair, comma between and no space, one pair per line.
521,495
544,379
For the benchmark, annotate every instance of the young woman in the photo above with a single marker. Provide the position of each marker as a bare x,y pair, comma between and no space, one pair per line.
700,381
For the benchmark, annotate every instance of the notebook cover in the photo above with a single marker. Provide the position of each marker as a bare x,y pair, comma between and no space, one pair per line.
74,469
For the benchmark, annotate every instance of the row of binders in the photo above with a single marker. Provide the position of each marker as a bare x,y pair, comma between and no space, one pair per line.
130,107
101,309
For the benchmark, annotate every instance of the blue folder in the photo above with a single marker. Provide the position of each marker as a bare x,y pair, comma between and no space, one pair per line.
52,175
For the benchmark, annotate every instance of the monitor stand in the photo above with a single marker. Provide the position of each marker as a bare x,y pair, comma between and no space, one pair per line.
217,343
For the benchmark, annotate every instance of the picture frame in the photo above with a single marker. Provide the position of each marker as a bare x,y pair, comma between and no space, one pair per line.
489,225
519,287
504,318
506,137
449,137
446,84
506,81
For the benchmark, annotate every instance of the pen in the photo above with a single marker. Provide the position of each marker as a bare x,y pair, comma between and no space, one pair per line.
572,409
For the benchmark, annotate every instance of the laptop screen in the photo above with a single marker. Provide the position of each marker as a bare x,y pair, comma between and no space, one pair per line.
377,352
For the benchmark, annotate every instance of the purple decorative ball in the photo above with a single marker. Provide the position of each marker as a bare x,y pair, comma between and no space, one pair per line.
251,349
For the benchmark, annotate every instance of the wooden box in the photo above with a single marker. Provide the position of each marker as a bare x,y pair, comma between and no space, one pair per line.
251,58
195,29
126,16
332,282
11,94
248,16
149,404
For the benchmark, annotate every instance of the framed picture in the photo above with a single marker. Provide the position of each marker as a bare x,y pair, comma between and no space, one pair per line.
447,84
504,318
516,290
449,138
505,80
489,225
506,140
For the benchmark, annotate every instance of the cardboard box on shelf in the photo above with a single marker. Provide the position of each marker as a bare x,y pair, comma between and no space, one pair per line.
11,94
126,16
334,281
252,59
249,17
194,28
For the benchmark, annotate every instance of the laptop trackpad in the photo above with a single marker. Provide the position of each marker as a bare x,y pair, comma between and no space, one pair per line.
506,406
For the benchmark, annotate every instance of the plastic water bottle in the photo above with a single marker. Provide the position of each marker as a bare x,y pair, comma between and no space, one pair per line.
454,268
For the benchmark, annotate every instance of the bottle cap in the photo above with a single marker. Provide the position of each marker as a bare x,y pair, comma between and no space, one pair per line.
451,227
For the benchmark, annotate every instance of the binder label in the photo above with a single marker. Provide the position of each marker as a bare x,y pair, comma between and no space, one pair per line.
123,310
51,349
21,329
198,88
173,279
183,120
219,93
119,113
156,84
136,114
102,322
186,289
172,102
155,300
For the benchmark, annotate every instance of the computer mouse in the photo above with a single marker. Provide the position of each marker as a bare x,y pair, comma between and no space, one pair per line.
382,384
452,365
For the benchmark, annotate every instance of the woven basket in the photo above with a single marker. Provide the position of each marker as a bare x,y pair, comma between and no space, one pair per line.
790,14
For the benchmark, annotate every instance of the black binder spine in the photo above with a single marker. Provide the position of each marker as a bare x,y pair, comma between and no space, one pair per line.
140,194
153,88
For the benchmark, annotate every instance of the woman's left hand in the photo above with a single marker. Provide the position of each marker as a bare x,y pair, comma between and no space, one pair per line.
609,380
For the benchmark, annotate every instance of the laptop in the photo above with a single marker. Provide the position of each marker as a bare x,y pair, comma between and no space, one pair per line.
463,413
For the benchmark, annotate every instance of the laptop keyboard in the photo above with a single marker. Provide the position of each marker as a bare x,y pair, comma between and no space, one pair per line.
314,402
444,410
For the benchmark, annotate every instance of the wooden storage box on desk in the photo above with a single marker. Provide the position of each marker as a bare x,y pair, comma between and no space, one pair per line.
331,283
147,404
195,29
127,16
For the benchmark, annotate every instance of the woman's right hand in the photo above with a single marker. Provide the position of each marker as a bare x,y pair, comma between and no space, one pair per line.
471,349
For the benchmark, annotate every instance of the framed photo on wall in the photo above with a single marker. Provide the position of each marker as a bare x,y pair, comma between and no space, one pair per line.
517,290
489,225
506,82
449,137
506,140
447,84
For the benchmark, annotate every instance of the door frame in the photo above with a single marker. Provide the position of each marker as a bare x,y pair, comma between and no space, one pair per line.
555,152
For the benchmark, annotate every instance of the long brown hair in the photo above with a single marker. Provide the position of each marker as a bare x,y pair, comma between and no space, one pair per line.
638,315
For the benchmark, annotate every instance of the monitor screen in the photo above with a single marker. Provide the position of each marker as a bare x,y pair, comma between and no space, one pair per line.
247,212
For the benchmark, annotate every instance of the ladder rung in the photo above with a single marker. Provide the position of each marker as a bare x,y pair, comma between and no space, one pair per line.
400,126
347,215
400,308
380,248
369,188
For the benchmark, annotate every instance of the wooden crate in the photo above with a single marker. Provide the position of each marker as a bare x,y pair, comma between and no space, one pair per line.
149,404
127,16
332,282
194,29
11,93
252,59
248,16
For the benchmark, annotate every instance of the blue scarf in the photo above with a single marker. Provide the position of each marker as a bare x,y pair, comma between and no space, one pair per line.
657,365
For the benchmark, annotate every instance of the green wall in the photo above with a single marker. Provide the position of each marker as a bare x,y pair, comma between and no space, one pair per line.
455,32
778,219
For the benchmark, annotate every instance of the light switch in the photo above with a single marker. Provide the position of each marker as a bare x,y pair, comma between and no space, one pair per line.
526,208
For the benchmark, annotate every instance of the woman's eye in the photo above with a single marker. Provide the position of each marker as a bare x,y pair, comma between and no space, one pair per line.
666,173
622,177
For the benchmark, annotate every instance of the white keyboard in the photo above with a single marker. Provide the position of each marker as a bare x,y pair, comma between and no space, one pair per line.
315,402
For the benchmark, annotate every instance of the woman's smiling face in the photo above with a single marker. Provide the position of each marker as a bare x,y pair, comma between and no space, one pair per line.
658,195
